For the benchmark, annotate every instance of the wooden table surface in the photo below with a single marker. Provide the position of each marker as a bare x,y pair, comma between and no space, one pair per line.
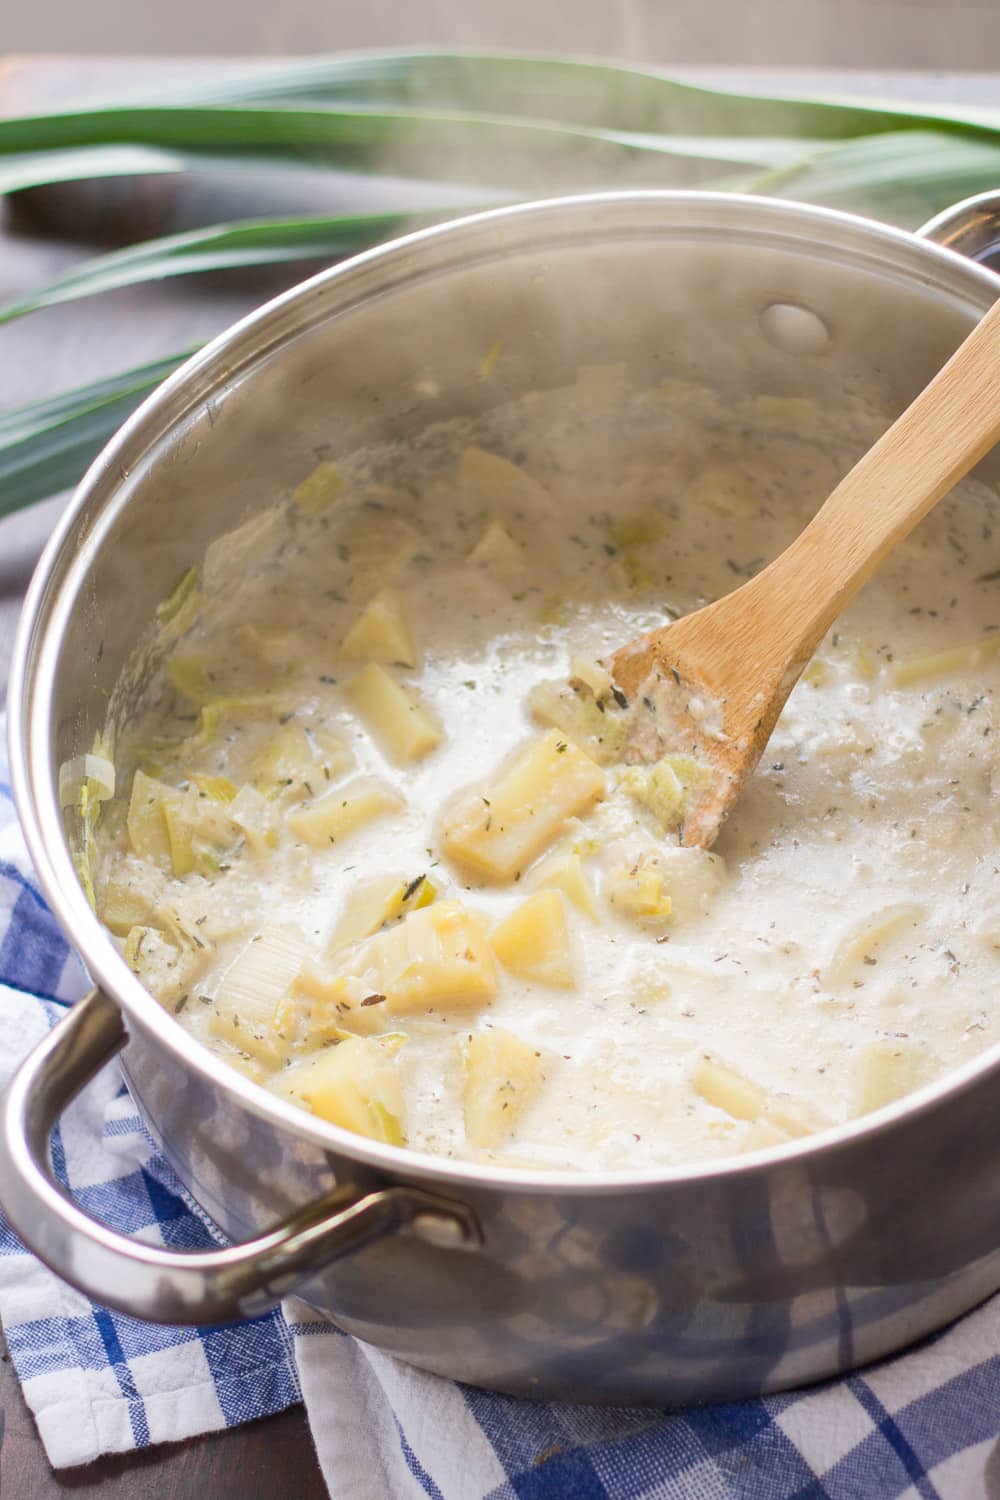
45,232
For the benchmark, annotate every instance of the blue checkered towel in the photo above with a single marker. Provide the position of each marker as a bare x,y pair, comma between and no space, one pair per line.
925,1425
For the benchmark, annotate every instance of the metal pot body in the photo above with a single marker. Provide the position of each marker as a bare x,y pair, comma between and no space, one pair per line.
662,1288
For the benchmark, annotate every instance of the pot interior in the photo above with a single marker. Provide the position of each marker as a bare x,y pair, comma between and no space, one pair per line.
744,295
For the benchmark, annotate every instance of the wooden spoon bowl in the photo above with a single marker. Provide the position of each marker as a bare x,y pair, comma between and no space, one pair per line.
713,683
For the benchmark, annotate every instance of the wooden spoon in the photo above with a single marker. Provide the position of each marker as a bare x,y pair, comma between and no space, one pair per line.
713,683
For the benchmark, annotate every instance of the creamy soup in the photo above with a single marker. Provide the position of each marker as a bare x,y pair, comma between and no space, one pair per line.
373,840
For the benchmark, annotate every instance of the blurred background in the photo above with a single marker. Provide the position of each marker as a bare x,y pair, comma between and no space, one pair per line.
931,34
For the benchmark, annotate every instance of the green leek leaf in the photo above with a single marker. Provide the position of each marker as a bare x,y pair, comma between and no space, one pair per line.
903,178
221,247
492,124
371,138
609,96
27,169
45,447
446,147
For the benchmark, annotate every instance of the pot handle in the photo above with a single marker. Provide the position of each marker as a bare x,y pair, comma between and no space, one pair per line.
971,227
166,1286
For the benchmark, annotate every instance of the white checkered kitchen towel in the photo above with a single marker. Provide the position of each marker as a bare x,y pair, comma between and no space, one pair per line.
925,1425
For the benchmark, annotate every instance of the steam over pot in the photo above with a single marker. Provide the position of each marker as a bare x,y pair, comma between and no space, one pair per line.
672,1286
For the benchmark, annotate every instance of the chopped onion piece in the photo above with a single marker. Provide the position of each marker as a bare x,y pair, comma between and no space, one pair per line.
76,773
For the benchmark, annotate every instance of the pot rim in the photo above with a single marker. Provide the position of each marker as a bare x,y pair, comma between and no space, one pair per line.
35,657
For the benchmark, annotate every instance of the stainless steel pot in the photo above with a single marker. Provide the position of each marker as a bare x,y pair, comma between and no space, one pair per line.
667,1286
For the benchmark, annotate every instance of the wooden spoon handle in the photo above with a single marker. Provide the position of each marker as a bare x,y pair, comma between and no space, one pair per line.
950,426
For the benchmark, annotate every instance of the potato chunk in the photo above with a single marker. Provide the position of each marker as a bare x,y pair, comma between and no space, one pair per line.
251,1009
199,828
496,833
404,728
601,387
288,763
378,901
762,1135
497,552
337,1005
233,554
284,759
501,1074
775,1118
218,788
146,823
253,814
721,486
793,1117
438,956
888,1071
955,659
354,1084
180,832
129,897
341,810
366,908
591,720
690,397
320,488
866,938
380,633
794,413
562,870
728,1090
488,478
533,942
